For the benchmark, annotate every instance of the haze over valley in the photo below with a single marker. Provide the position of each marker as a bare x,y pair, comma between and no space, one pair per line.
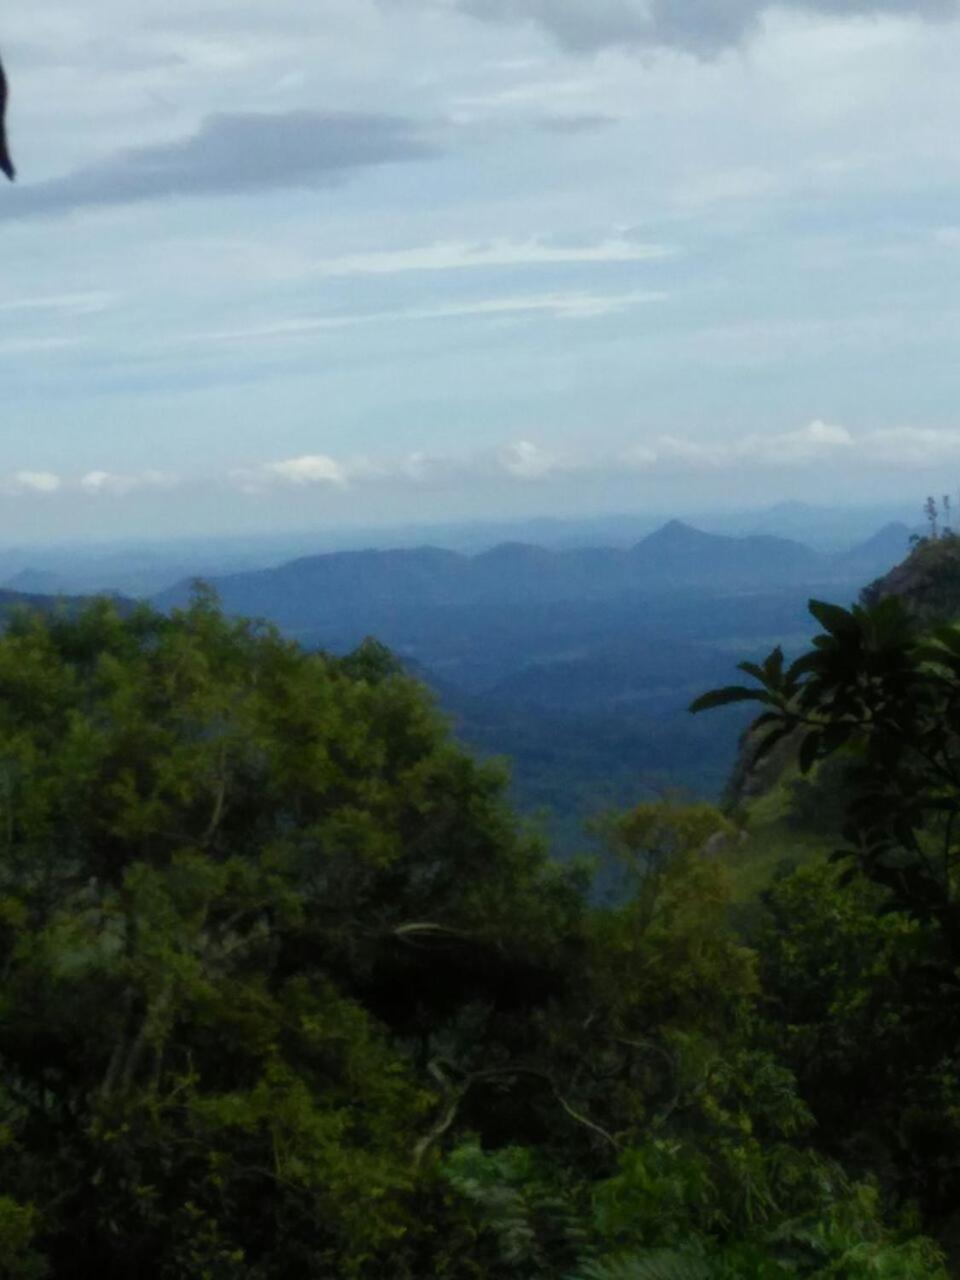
574,660
577,664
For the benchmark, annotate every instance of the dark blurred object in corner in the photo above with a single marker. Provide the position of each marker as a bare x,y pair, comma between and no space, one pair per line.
6,164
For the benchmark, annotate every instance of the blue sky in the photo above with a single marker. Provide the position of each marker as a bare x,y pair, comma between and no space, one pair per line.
274,264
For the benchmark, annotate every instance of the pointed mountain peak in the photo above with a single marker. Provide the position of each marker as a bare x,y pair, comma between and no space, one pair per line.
891,542
676,533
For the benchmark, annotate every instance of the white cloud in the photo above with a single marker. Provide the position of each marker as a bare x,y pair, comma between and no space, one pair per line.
455,255
526,461
892,448
521,460
805,450
916,448
816,441
110,483
310,469
36,482
75,304
685,454
560,306
543,92
419,467
810,444
563,306
27,346
640,457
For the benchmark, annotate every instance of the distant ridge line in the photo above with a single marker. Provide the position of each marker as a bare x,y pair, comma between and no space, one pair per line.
677,556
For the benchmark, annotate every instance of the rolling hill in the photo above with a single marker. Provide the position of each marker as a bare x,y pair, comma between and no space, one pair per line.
578,664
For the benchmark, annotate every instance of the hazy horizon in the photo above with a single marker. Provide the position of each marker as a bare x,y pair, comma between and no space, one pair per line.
142,566
789,518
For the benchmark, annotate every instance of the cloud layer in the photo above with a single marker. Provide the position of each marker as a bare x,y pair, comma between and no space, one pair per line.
231,154
806,448
558,306
500,252
698,26
527,464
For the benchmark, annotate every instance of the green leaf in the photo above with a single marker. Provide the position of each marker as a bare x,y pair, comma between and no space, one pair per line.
726,696
838,621
753,669
805,664
773,666
949,637
768,717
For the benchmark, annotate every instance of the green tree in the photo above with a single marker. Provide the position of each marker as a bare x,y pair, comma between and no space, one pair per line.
889,696
864,964
244,890
286,989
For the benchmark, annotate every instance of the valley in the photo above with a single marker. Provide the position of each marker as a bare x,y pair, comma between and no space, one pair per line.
576,665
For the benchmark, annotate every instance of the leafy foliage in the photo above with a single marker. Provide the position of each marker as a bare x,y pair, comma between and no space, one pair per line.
657,1264
286,990
861,963
874,687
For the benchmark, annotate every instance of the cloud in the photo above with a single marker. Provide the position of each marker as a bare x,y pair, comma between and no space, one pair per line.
561,306
521,460
112,484
698,26
587,122
805,446
526,461
31,346
914,448
455,255
808,449
565,306
230,154
68,304
35,482
310,469
884,449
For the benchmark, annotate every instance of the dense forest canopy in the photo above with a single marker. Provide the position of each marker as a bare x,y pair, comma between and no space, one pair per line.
287,990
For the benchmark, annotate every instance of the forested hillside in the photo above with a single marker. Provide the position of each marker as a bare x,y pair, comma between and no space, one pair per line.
578,665
287,990
854,762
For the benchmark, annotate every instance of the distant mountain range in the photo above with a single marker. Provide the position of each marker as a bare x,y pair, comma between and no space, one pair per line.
368,588
145,567
578,663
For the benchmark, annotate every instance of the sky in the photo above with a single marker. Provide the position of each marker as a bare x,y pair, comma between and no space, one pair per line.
271,264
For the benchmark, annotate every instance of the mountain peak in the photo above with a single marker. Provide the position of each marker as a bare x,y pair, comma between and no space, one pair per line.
676,533
891,543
